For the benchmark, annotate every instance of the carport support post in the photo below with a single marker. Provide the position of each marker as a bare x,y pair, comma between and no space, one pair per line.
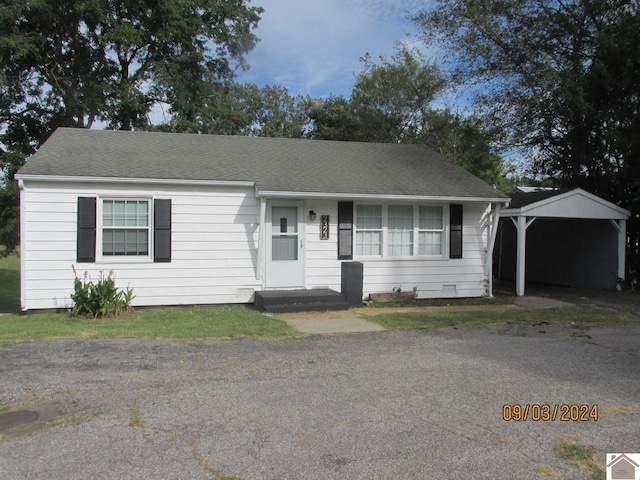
521,226
622,251
521,254
621,228
492,243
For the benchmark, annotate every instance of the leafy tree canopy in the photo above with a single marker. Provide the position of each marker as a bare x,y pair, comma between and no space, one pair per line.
244,109
276,113
72,62
561,78
332,119
393,102
393,98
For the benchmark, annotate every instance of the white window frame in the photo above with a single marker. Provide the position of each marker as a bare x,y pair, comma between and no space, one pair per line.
442,231
412,231
444,255
357,230
100,227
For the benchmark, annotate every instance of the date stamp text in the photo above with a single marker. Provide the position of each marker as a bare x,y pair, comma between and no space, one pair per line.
568,412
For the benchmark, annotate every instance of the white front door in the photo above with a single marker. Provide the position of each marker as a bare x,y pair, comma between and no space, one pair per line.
285,243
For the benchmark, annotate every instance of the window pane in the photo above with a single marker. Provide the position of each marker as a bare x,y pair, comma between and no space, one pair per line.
107,242
400,216
131,210
368,243
369,217
430,243
107,213
118,242
125,242
135,242
431,218
284,248
400,240
143,214
400,243
143,242
284,220
113,242
125,213
368,230
118,213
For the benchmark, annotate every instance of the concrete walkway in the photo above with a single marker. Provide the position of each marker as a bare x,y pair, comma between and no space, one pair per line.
324,324
352,321
540,302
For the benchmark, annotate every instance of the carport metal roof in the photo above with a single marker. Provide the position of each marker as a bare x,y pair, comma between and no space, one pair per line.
524,208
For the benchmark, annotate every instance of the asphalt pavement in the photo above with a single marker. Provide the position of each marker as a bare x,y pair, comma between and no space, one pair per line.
375,405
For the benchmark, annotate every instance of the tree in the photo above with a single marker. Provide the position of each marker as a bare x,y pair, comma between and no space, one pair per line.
221,109
74,62
332,119
244,109
392,99
9,163
392,102
466,142
561,78
279,114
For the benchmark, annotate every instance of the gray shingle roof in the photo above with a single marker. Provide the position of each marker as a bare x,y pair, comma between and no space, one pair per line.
519,200
273,164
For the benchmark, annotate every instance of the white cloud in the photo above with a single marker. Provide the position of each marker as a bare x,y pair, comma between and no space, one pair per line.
314,47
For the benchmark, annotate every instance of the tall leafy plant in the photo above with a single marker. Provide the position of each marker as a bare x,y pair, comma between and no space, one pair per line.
100,299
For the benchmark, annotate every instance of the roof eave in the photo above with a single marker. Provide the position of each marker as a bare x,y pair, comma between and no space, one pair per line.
259,192
622,213
376,196
149,181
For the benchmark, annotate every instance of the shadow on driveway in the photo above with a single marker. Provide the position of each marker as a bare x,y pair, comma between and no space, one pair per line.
626,301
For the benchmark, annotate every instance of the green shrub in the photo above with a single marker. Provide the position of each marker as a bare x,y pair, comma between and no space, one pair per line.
100,299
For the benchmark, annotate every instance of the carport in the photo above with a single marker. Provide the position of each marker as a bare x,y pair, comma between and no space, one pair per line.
561,237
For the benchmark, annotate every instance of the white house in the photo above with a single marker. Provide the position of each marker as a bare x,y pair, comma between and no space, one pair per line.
206,219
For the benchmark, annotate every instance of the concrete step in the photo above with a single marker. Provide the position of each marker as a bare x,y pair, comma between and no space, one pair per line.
315,300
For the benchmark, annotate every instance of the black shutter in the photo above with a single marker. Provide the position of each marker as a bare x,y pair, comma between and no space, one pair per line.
345,230
455,231
86,243
162,230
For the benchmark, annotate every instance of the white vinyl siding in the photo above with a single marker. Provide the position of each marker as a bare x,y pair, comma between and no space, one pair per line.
215,237
214,245
431,276
428,274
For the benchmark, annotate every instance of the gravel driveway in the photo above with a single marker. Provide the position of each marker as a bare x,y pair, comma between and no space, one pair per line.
374,405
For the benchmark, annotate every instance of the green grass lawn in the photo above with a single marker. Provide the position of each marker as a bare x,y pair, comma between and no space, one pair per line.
176,324
10,284
584,316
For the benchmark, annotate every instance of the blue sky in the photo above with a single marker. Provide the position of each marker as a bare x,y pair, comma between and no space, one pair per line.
314,47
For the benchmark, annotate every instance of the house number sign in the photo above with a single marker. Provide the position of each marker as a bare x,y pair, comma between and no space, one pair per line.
324,227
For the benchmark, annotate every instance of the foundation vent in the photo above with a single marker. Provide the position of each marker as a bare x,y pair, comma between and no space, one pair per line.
449,289
245,294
